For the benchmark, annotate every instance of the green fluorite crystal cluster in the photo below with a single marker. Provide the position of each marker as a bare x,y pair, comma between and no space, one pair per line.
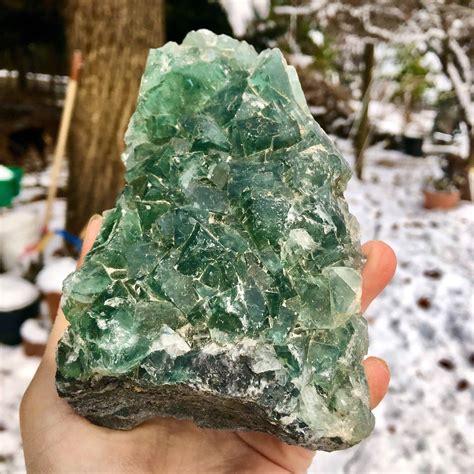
225,285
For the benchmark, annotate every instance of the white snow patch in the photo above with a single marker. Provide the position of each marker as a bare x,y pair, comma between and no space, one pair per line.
241,12
16,293
34,331
17,370
317,37
19,229
50,278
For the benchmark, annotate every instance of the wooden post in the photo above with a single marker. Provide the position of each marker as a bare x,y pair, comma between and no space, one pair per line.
62,136
468,191
362,135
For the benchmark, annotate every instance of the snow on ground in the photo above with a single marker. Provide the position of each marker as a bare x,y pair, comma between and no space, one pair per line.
16,371
424,317
425,425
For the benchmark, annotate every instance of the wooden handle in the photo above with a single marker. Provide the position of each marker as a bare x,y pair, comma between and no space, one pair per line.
60,149
76,65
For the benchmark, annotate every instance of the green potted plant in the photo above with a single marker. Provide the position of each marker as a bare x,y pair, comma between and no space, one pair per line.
443,192
412,83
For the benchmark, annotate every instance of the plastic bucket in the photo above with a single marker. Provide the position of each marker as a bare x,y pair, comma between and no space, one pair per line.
18,231
17,176
7,192
413,146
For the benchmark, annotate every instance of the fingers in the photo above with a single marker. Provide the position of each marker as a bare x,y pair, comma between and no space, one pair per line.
378,378
298,459
378,270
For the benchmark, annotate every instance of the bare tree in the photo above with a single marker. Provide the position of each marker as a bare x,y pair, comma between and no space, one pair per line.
445,27
361,137
361,23
114,37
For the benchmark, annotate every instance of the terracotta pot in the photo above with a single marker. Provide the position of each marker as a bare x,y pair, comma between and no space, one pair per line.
34,336
53,299
441,199
33,349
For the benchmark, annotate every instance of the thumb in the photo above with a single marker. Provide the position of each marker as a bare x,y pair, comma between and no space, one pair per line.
60,323
92,230
40,397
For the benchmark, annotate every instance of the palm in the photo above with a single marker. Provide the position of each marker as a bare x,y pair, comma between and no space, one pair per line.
55,439
160,445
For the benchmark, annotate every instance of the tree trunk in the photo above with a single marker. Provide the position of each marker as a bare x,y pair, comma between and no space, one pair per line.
114,37
470,156
362,135
467,190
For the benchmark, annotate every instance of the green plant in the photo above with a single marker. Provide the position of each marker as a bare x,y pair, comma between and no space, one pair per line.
452,178
412,81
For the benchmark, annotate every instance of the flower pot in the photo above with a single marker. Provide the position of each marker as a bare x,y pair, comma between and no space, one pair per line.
34,336
413,146
20,301
441,199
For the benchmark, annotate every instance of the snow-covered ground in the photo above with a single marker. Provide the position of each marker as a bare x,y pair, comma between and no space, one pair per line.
422,324
16,371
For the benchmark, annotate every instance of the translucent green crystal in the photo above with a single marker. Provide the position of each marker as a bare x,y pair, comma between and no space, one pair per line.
227,277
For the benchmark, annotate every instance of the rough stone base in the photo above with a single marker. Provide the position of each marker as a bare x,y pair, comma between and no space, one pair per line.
119,404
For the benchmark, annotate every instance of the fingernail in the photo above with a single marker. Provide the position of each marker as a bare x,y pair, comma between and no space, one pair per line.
94,218
384,363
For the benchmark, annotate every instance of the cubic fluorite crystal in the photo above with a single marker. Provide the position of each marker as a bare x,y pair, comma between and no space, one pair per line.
225,285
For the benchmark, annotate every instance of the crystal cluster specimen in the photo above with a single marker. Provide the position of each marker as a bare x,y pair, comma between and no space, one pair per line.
225,285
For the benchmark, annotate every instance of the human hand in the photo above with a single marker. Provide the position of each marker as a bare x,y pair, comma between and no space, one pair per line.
55,439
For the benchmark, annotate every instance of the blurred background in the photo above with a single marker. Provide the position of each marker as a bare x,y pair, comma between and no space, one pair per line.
391,81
